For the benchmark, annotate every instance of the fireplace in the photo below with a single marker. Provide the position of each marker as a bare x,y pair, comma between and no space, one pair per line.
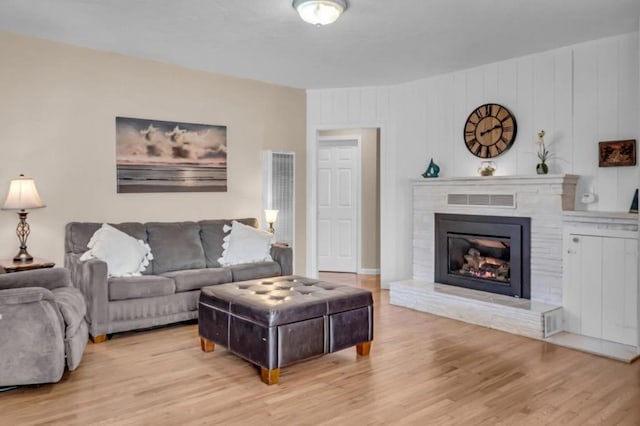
488,253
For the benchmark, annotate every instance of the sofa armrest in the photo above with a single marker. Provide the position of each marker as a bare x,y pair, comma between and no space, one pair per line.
90,277
19,296
283,254
50,278
31,337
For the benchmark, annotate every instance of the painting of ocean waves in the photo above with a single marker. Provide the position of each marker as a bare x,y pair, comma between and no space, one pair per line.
144,178
163,156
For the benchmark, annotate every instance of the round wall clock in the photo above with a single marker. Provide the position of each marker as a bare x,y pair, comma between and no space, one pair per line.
490,130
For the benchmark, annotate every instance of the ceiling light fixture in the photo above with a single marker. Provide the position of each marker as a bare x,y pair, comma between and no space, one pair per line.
320,12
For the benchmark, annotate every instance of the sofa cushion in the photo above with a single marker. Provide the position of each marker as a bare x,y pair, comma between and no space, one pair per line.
78,234
124,255
252,271
124,288
71,303
195,279
212,236
246,244
175,246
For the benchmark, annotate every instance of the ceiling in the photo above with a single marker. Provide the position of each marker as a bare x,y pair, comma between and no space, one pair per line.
375,42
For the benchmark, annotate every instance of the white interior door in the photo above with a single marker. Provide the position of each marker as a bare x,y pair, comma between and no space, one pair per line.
338,178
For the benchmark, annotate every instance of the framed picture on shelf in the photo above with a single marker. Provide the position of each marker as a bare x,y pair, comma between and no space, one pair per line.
617,153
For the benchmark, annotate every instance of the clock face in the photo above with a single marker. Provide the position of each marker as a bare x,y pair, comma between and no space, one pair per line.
489,131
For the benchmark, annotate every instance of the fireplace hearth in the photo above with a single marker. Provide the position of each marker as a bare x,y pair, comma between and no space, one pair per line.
488,253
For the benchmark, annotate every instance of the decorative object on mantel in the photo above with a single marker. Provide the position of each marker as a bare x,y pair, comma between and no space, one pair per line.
487,168
589,198
489,130
543,155
634,203
23,195
432,170
617,153
169,156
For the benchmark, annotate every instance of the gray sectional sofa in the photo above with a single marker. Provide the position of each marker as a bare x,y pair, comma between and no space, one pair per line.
185,260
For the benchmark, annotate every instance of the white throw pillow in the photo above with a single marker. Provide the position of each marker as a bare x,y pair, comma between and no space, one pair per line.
125,256
245,244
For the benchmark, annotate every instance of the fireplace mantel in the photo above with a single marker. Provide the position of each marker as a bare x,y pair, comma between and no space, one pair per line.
543,198
563,179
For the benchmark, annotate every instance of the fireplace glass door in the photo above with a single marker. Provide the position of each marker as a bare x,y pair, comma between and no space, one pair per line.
487,253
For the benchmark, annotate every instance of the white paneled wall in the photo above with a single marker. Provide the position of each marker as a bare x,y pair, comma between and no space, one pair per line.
579,95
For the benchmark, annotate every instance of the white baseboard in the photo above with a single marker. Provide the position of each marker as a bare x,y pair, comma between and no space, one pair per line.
368,271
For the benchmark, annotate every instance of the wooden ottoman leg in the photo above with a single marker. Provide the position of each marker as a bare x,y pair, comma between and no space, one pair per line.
270,377
363,348
207,345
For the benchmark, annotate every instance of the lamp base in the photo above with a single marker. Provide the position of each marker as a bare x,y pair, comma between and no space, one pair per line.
22,231
23,256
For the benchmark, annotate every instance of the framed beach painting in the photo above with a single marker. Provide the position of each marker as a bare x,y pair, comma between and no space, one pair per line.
169,156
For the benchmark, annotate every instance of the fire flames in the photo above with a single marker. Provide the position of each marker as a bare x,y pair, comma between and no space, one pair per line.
485,267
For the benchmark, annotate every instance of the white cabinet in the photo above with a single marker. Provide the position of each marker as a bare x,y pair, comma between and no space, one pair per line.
600,284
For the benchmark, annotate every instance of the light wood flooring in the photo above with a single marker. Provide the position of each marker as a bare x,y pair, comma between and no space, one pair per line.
423,369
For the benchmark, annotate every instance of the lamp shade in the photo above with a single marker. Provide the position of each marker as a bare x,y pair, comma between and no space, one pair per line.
320,12
271,216
22,195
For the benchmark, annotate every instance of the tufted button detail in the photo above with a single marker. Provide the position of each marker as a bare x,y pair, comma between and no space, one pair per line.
277,297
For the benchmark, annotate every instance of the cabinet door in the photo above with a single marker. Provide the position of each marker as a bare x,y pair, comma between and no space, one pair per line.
619,296
600,292
589,251
572,287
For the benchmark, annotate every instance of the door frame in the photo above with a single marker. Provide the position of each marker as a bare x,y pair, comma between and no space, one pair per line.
384,163
337,141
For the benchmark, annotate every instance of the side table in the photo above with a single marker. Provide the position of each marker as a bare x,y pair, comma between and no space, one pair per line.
10,266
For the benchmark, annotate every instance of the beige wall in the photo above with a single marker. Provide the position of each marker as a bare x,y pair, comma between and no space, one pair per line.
58,105
370,190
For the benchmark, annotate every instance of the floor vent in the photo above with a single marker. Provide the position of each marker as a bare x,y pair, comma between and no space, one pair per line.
552,322
482,200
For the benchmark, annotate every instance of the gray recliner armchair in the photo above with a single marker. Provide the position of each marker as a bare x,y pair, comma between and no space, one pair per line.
42,326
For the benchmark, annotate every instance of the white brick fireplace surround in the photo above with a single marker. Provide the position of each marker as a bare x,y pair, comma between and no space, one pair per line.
544,199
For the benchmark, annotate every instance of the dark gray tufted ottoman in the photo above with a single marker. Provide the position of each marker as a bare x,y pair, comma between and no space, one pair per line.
278,321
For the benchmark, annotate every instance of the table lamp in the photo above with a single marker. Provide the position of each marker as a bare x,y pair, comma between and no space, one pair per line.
23,195
271,216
